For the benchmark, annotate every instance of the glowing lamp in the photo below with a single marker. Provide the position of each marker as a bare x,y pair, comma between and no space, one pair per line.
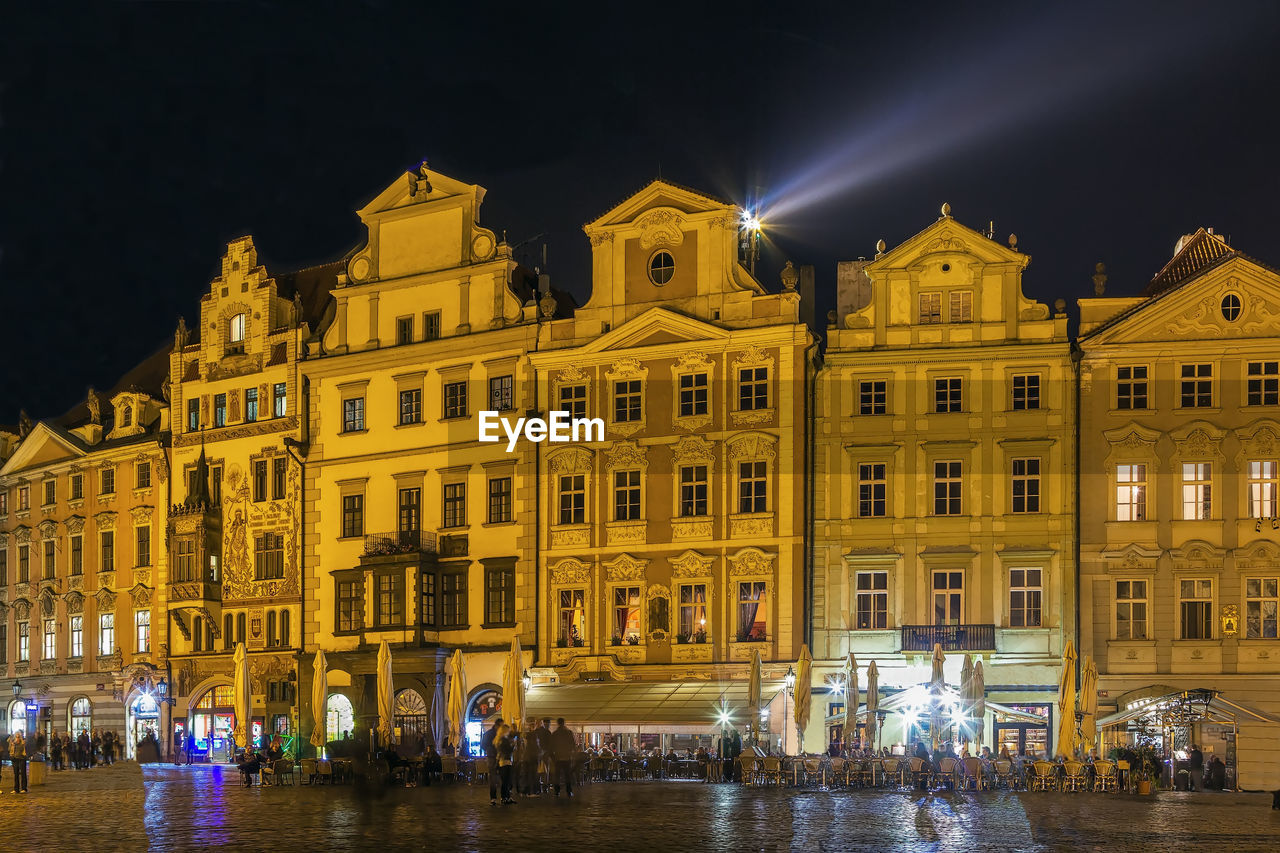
791,677
526,679
17,688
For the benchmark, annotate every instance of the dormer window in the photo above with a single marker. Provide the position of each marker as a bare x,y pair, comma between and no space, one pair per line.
126,416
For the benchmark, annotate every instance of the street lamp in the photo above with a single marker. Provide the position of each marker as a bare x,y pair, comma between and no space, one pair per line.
17,688
526,679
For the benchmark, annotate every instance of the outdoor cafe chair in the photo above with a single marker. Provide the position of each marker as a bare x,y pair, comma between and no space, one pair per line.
1123,775
772,770
448,768
1005,774
309,771
812,768
892,772
920,771
862,773
1074,778
748,769
946,772
1045,776
840,769
974,774
1105,776
276,770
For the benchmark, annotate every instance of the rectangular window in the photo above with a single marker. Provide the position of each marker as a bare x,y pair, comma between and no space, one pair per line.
626,613
1197,491
50,568
142,546
24,498
1131,493
573,399
930,308
107,551
627,401
693,490
390,600
948,598
142,630
219,410
1195,600
24,564
184,562
962,306
455,399
1261,600
279,477
499,500
1197,386
1131,610
455,505
352,515
502,394
873,397
50,649
573,499
693,611
353,414
947,487
1131,386
573,618
193,415
4,567
753,487
24,642
108,481
753,612
693,394
350,608
948,395
106,633
142,475
871,600
279,401
77,637
404,330
268,557
872,484
753,388
1264,488
453,599
410,510
50,492
1264,383
626,495
500,595
4,502
1026,485
428,614
1026,392
259,480
411,406
1025,594
251,405
77,554
431,326
77,487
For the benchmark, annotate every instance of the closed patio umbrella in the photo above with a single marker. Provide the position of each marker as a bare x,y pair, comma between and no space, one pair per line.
439,720
966,697
241,695
937,685
319,699
979,704
386,695
754,689
1089,704
850,697
513,686
1067,703
457,703
804,691
873,702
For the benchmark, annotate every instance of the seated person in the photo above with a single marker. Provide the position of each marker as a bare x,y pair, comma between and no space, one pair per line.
250,764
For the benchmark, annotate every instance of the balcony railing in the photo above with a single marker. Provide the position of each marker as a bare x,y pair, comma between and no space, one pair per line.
399,542
953,638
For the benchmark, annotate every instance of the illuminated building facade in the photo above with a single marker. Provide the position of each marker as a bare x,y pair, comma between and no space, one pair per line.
943,498
82,520
1180,543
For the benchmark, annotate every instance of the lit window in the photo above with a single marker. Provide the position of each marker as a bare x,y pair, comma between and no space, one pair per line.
626,613
50,650
693,612
24,641
77,637
871,601
573,618
1264,486
142,628
1197,491
1131,493
1261,600
236,331
1195,599
753,612
279,401
106,633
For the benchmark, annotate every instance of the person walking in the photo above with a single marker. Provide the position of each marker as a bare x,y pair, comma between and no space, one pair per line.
563,747
545,764
505,747
1196,762
491,758
83,745
18,758
55,752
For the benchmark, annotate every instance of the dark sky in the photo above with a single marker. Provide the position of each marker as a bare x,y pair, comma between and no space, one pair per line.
138,138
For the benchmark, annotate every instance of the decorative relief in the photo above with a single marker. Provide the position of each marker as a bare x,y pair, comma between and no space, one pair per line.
75,602
107,580
1259,441
1197,555
627,368
750,525
1205,317
1230,620
265,427
22,609
625,568
75,525
48,667
661,227
22,535
683,528
142,576
570,460
570,571
105,598
265,668
47,604
571,537
753,356
659,598
626,454
694,450
48,529
1197,443
141,596
76,582
626,532
752,445
105,520
571,375
751,561
141,514
1261,556
601,237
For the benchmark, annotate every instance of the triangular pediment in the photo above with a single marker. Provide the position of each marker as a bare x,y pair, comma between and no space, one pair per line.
1236,298
410,189
656,327
659,193
946,237
44,446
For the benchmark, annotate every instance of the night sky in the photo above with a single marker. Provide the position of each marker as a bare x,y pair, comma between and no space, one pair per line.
138,138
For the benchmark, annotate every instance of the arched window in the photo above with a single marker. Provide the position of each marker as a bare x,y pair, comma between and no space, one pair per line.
339,716
197,634
18,716
284,627
271,627
126,418
235,333
81,717
240,632
228,636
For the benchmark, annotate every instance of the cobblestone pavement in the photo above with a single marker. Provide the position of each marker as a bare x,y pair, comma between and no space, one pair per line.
190,808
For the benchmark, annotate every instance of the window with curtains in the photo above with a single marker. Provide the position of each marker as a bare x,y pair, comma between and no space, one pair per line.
573,618
626,614
1261,608
1264,485
693,612
77,637
1195,599
142,630
753,612
871,600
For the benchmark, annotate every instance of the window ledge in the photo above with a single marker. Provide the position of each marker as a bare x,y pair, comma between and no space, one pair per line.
498,624
454,627
353,431
449,418
499,523
411,424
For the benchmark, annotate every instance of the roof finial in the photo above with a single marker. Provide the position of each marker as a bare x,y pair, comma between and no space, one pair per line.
946,209
1013,242
880,247
1099,279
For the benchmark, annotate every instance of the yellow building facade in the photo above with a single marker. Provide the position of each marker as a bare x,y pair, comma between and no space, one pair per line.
1180,546
943,496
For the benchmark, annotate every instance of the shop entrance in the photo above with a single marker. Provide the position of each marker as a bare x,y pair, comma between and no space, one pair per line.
144,719
1022,738
213,722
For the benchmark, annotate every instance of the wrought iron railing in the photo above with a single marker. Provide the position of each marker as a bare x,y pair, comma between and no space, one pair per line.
952,638
399,542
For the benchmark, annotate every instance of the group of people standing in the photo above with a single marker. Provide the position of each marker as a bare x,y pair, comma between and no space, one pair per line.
85,750
517,756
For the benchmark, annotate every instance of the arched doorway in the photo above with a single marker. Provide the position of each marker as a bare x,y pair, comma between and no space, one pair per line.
144,718
486,703
413,720
18,710
213,721
80,716
340,717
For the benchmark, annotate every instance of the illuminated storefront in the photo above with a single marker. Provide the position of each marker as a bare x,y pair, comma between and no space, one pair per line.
212,723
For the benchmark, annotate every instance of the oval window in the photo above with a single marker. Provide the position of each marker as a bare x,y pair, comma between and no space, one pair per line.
1230,307
661,267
